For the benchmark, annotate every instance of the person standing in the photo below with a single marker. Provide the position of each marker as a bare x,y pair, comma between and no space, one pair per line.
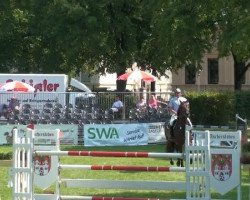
153,102
141,103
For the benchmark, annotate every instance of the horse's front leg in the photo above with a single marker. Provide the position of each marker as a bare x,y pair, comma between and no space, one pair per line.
171,161
170,148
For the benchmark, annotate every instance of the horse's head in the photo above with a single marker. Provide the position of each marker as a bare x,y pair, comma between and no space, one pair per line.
183,110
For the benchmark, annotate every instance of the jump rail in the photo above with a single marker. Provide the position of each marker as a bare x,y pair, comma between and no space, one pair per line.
124,168
197,174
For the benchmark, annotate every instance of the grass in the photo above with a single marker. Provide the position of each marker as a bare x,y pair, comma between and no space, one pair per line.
5,192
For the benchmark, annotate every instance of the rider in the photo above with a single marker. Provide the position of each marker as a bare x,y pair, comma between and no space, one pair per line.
174,104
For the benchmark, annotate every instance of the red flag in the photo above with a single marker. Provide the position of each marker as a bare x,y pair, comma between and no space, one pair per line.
31,126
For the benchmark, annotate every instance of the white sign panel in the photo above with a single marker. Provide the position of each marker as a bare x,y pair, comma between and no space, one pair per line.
47,88
68,132
115,134
45,167
156,132
225,160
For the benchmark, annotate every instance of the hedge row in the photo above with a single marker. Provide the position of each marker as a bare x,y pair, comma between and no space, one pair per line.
218,108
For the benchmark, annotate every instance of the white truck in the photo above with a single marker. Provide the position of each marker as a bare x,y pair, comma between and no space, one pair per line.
51,88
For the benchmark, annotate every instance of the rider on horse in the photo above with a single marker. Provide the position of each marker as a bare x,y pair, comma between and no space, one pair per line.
174,104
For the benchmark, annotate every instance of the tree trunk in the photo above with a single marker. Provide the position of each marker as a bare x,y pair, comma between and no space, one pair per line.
240,69
121,85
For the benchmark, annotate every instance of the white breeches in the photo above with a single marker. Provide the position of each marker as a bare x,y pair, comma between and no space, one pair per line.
172,119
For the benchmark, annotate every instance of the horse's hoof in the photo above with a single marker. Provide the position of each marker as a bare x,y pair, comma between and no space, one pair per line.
178,163
171,162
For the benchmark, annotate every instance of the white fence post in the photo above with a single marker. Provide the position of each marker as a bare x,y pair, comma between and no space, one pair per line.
22,165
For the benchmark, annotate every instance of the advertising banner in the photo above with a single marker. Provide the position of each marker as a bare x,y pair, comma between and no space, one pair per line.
6,133
115,134
156,133
68,132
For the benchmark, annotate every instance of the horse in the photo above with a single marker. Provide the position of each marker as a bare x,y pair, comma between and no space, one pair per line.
176,137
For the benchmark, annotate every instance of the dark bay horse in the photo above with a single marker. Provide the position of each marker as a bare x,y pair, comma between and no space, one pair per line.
176,139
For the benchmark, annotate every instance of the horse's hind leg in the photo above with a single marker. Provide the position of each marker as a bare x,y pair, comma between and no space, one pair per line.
182,164
178,163
170,148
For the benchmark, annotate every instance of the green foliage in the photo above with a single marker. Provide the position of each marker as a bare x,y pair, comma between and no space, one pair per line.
242,104
5,152
94,36
185,30
69,36
212,108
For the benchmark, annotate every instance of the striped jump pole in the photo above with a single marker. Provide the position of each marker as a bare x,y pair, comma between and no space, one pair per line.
124,168
111,154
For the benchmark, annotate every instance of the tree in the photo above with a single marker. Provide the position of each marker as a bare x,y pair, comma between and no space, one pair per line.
71,36
184,30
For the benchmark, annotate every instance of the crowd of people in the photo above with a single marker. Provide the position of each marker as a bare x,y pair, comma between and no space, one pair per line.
117,107
154,103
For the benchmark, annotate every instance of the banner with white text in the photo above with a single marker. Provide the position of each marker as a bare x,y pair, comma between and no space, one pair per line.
115,134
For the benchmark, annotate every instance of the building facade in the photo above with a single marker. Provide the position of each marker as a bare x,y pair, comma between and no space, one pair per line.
216,74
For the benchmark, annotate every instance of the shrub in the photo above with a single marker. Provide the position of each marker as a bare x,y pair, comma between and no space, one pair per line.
212,108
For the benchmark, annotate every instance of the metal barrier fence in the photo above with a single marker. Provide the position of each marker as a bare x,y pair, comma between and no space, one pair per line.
94,106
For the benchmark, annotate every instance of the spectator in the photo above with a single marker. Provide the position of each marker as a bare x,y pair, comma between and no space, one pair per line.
14,106
153,102
141,103
117,105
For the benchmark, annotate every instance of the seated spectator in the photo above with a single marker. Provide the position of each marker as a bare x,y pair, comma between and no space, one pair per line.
14,106
152,102
141,103
117,105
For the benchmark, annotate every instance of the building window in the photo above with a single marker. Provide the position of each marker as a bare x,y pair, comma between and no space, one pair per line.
213,71
190,74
